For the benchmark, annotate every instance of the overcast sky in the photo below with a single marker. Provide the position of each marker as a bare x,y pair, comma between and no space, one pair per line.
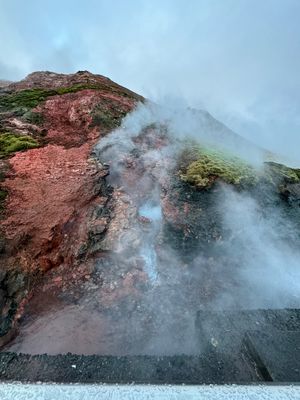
239,59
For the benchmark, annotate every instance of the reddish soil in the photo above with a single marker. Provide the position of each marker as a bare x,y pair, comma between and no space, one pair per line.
52,191
52,188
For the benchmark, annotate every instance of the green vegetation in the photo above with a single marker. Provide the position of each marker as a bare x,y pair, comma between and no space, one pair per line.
24,100
207,165
34,118
10,143
278,172
202,166
107,115
107,119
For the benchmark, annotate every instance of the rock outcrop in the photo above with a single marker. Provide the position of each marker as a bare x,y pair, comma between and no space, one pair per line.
129,227
49,193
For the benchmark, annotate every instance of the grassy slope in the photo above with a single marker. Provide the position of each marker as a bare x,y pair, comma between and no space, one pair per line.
204,166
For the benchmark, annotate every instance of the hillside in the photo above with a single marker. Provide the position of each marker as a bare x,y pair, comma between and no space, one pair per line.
110,223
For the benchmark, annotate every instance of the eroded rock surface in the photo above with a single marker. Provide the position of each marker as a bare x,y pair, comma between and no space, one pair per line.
50,195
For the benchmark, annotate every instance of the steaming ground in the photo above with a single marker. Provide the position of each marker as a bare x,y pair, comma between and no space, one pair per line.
266,264
152,211
143,297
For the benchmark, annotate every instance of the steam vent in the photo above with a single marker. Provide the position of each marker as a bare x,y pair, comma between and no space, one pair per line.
141,243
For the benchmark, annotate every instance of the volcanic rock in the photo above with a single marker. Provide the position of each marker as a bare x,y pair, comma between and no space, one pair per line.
71,230
48,219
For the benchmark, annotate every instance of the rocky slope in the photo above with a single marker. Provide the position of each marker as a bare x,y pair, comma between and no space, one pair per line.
97,226
49,193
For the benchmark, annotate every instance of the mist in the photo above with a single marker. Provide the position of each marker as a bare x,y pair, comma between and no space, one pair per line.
265,263
260,238
237,60
253,265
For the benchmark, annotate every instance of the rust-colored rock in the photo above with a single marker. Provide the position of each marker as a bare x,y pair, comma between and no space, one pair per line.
53,190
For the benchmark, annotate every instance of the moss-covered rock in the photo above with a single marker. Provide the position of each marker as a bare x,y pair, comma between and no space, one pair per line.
206,165
106,119
32,117
11,143
24,100
202,166
278,173
106,115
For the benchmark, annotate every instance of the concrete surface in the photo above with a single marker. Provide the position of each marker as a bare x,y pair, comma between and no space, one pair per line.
150,392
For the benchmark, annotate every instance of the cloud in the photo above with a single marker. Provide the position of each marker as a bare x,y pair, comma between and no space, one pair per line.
238,60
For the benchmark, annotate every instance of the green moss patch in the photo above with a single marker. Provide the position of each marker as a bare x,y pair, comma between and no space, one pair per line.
33,117
201,167
24,100
276,172
106,115
11,143
208,165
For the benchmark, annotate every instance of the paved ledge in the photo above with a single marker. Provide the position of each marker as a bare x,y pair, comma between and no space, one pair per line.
150,392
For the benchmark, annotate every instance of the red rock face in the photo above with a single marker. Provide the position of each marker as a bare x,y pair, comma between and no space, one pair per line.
68,118
54,189
51,80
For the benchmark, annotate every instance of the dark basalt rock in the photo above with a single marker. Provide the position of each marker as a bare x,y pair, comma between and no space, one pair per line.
13,289
181,369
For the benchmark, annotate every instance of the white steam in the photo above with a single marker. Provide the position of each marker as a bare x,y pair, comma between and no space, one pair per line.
266,266
187,123
268,269
253,266
151,211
